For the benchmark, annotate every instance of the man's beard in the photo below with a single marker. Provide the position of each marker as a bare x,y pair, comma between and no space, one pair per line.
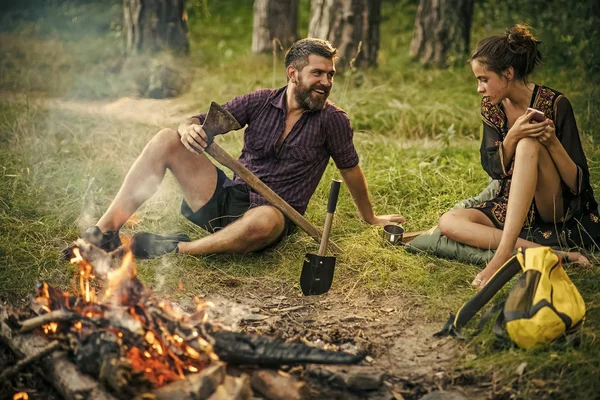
308,99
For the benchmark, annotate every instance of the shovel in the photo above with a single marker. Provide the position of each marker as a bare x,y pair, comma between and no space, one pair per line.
317,271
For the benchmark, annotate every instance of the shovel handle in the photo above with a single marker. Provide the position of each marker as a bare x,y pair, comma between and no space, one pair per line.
334,192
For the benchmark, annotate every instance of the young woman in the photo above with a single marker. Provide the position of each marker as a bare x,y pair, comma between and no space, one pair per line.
544,197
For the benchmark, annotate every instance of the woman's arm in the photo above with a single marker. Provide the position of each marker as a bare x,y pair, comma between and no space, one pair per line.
564,145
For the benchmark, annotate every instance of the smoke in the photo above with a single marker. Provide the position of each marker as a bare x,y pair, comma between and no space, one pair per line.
229,313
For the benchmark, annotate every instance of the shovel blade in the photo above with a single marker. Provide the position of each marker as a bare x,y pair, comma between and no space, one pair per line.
317,274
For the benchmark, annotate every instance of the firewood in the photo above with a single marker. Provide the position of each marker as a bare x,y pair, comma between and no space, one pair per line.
61,373
196,386
233,389
349,377
15,369
54,316
277,386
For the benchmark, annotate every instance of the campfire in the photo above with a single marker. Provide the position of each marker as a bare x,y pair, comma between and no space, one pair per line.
137,346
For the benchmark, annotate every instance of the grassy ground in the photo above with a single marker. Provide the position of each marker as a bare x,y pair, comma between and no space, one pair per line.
416,133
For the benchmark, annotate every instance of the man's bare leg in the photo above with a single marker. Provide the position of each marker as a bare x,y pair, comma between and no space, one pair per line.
256,229
196,175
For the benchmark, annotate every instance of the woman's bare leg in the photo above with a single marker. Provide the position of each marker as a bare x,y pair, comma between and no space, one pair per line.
534,176
528,181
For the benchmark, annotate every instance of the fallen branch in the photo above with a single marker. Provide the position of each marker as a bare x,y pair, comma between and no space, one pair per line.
15,369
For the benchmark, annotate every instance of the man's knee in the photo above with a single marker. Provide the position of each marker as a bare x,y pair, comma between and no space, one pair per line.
264,223
165,141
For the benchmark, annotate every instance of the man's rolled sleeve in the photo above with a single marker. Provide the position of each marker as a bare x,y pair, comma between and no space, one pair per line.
339,141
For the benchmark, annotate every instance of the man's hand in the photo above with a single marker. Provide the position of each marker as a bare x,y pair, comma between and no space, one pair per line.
387,219
193,138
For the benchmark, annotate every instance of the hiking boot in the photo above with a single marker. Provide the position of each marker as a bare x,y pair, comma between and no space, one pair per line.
149,245
107,241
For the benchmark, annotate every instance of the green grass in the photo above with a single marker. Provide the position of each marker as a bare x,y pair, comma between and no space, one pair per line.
417,135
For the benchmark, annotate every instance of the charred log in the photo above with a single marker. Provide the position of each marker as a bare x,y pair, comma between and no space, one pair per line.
238,348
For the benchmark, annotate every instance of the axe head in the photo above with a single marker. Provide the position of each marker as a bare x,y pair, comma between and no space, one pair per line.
218,121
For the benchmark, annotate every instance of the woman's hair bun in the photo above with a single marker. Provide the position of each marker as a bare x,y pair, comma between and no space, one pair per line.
520,40
517,48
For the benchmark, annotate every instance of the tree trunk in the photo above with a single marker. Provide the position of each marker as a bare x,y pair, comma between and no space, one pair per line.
350,25
442,31
153,25
274,20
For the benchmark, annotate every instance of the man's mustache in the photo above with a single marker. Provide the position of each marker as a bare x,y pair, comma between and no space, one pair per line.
324,88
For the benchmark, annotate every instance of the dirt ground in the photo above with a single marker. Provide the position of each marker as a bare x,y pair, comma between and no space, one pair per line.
392,331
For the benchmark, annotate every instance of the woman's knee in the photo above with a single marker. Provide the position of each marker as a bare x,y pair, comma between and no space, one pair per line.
528,147
446,223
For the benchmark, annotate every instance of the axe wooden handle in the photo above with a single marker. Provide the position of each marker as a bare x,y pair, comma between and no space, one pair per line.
224,158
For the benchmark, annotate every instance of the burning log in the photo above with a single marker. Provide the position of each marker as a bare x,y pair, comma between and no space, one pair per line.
45,319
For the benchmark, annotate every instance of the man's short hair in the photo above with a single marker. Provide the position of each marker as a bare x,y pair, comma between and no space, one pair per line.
297,55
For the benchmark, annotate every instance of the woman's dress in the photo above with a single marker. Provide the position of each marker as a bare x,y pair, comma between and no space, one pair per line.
580,226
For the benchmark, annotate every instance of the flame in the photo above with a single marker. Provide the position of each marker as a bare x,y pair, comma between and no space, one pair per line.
85,274
21,396
118,278
163,356
50,327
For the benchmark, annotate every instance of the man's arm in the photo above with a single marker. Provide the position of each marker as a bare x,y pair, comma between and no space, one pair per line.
357,185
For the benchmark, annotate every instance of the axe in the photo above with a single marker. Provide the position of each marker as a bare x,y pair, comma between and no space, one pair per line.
219,121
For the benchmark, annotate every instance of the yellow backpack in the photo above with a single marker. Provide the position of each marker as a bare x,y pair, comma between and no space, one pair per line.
542,306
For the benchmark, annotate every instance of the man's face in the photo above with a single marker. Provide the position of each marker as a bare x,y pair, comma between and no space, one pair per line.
314,82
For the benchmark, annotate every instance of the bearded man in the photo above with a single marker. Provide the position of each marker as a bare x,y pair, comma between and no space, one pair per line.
291,133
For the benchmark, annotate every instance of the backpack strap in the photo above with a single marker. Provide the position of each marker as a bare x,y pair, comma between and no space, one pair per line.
477,302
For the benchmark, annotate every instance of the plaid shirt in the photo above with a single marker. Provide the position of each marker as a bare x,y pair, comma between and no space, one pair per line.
294,171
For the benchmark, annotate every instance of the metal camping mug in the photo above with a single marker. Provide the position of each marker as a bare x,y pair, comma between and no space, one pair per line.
392,234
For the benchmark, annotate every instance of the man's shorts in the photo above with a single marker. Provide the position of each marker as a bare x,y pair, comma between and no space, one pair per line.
227,205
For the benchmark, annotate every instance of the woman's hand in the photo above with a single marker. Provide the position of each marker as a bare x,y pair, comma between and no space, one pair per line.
523,127
548,136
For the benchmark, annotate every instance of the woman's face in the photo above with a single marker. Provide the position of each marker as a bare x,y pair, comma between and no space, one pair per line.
489,83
